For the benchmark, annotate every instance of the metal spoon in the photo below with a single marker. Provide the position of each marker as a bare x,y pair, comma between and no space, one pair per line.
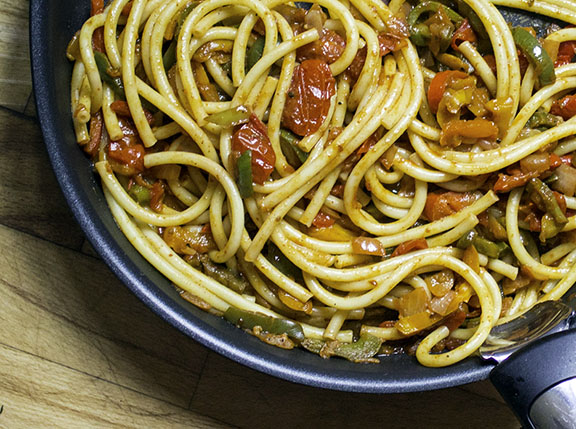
536,371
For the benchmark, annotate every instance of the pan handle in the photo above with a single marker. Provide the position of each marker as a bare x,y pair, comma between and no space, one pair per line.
539,382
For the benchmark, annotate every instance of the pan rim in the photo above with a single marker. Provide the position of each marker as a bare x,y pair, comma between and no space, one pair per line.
295,366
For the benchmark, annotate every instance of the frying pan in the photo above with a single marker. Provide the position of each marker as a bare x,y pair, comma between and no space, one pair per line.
53,23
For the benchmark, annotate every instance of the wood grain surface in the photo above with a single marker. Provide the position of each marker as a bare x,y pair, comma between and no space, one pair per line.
78,350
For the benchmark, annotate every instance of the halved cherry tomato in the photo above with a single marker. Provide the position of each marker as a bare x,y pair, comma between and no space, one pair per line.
309,97
438,86
253,136
128,154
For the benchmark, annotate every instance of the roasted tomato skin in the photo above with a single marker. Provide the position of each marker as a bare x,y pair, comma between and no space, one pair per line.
253,136
126,155
439,205
565,107
308,100
328,48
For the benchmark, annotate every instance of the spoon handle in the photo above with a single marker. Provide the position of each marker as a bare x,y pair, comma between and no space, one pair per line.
539,382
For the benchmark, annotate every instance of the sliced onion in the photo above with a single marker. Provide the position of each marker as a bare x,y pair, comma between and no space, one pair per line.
294,303
315,18
441,305
417,322
441,282
413,302
566,182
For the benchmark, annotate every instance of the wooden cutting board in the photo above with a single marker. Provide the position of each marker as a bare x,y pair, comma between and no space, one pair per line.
78,350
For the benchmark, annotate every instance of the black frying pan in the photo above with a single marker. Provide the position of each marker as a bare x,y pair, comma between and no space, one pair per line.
53,22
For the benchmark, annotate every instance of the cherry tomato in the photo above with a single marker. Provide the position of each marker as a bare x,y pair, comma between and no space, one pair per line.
253,136
328,48
308,100
128,155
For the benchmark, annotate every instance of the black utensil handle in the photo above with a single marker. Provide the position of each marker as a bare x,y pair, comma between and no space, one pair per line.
539,382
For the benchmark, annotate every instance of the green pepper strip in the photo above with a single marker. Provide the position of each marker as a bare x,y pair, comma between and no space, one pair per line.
184,14
244,165
483,245
466,240
433,6
169,57
230,117
475,22
420,34
255,53
549,228
487,247
248,320
538,189
224,275
536,54
291,139
141,194
280,261
104,68
529,243
365,348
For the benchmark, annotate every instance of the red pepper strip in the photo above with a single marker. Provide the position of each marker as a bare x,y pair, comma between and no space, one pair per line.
561,200
464,33
96,123
534,223
455,319
556,161
438,86
157,196
121,108
127,9
410,246
453,133
566,52
368,144
96,7
565,107
506,183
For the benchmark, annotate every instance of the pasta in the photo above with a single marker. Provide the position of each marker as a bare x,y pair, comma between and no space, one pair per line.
352,177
